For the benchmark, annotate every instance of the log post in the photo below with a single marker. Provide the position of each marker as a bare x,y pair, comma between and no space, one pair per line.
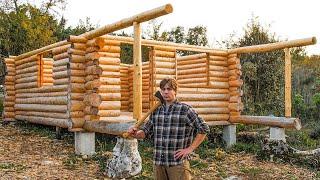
137,72
287,92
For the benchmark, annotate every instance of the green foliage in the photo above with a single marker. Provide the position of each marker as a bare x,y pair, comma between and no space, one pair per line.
4,166
301,140
316,99
24,29
246,147
197,36
263,73
177,35
62,32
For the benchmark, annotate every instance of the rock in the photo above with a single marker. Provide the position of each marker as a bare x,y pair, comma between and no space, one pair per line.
233,178
126,161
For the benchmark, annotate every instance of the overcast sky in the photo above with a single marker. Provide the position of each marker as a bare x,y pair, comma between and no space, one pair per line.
290,20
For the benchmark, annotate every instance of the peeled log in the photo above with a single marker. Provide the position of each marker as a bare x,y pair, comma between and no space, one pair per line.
64,123
77,105
109,113
109,89
27,70
96,42
218,79
61,81
92,85
40,107
40,100
43,114
235,106
61,49
92,99
188,90
236,83
77,114
80,46
110,105
77,88
203,97
77,96
111,74
215,117
78,66
191,66
282,122
110,81
110,96
79,73
61,62
9,114
221,110
274,46
91,110
109,61
193,71
76,39
77,58
60,75
191,57
59,68
25,60
111,49
43,94
218,63
93,70
222,85
26,65
192,80
26,85
113,68
207,104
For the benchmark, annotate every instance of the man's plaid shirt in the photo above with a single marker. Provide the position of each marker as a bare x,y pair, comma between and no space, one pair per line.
172,130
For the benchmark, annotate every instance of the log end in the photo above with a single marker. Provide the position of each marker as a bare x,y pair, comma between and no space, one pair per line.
168,8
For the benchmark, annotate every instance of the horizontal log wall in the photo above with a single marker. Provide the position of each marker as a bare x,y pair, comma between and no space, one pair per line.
146,84
9,99
162,65
235,83
193,70
125,89
76,81
204,84
103,82
38,100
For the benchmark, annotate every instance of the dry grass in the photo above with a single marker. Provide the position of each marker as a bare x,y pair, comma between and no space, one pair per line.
33,153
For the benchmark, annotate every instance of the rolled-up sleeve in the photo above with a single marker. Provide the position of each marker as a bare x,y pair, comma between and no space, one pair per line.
148,127
197,122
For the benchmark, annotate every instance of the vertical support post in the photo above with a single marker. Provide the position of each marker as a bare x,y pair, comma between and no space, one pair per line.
84,143
287,92
229,135
277,134
137,72
152,76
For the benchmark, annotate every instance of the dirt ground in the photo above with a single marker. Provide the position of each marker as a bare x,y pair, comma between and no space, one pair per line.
31,155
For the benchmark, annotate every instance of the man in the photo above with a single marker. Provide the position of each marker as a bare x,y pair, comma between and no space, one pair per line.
172,127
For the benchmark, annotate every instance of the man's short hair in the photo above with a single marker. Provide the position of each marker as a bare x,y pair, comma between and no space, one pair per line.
171,82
